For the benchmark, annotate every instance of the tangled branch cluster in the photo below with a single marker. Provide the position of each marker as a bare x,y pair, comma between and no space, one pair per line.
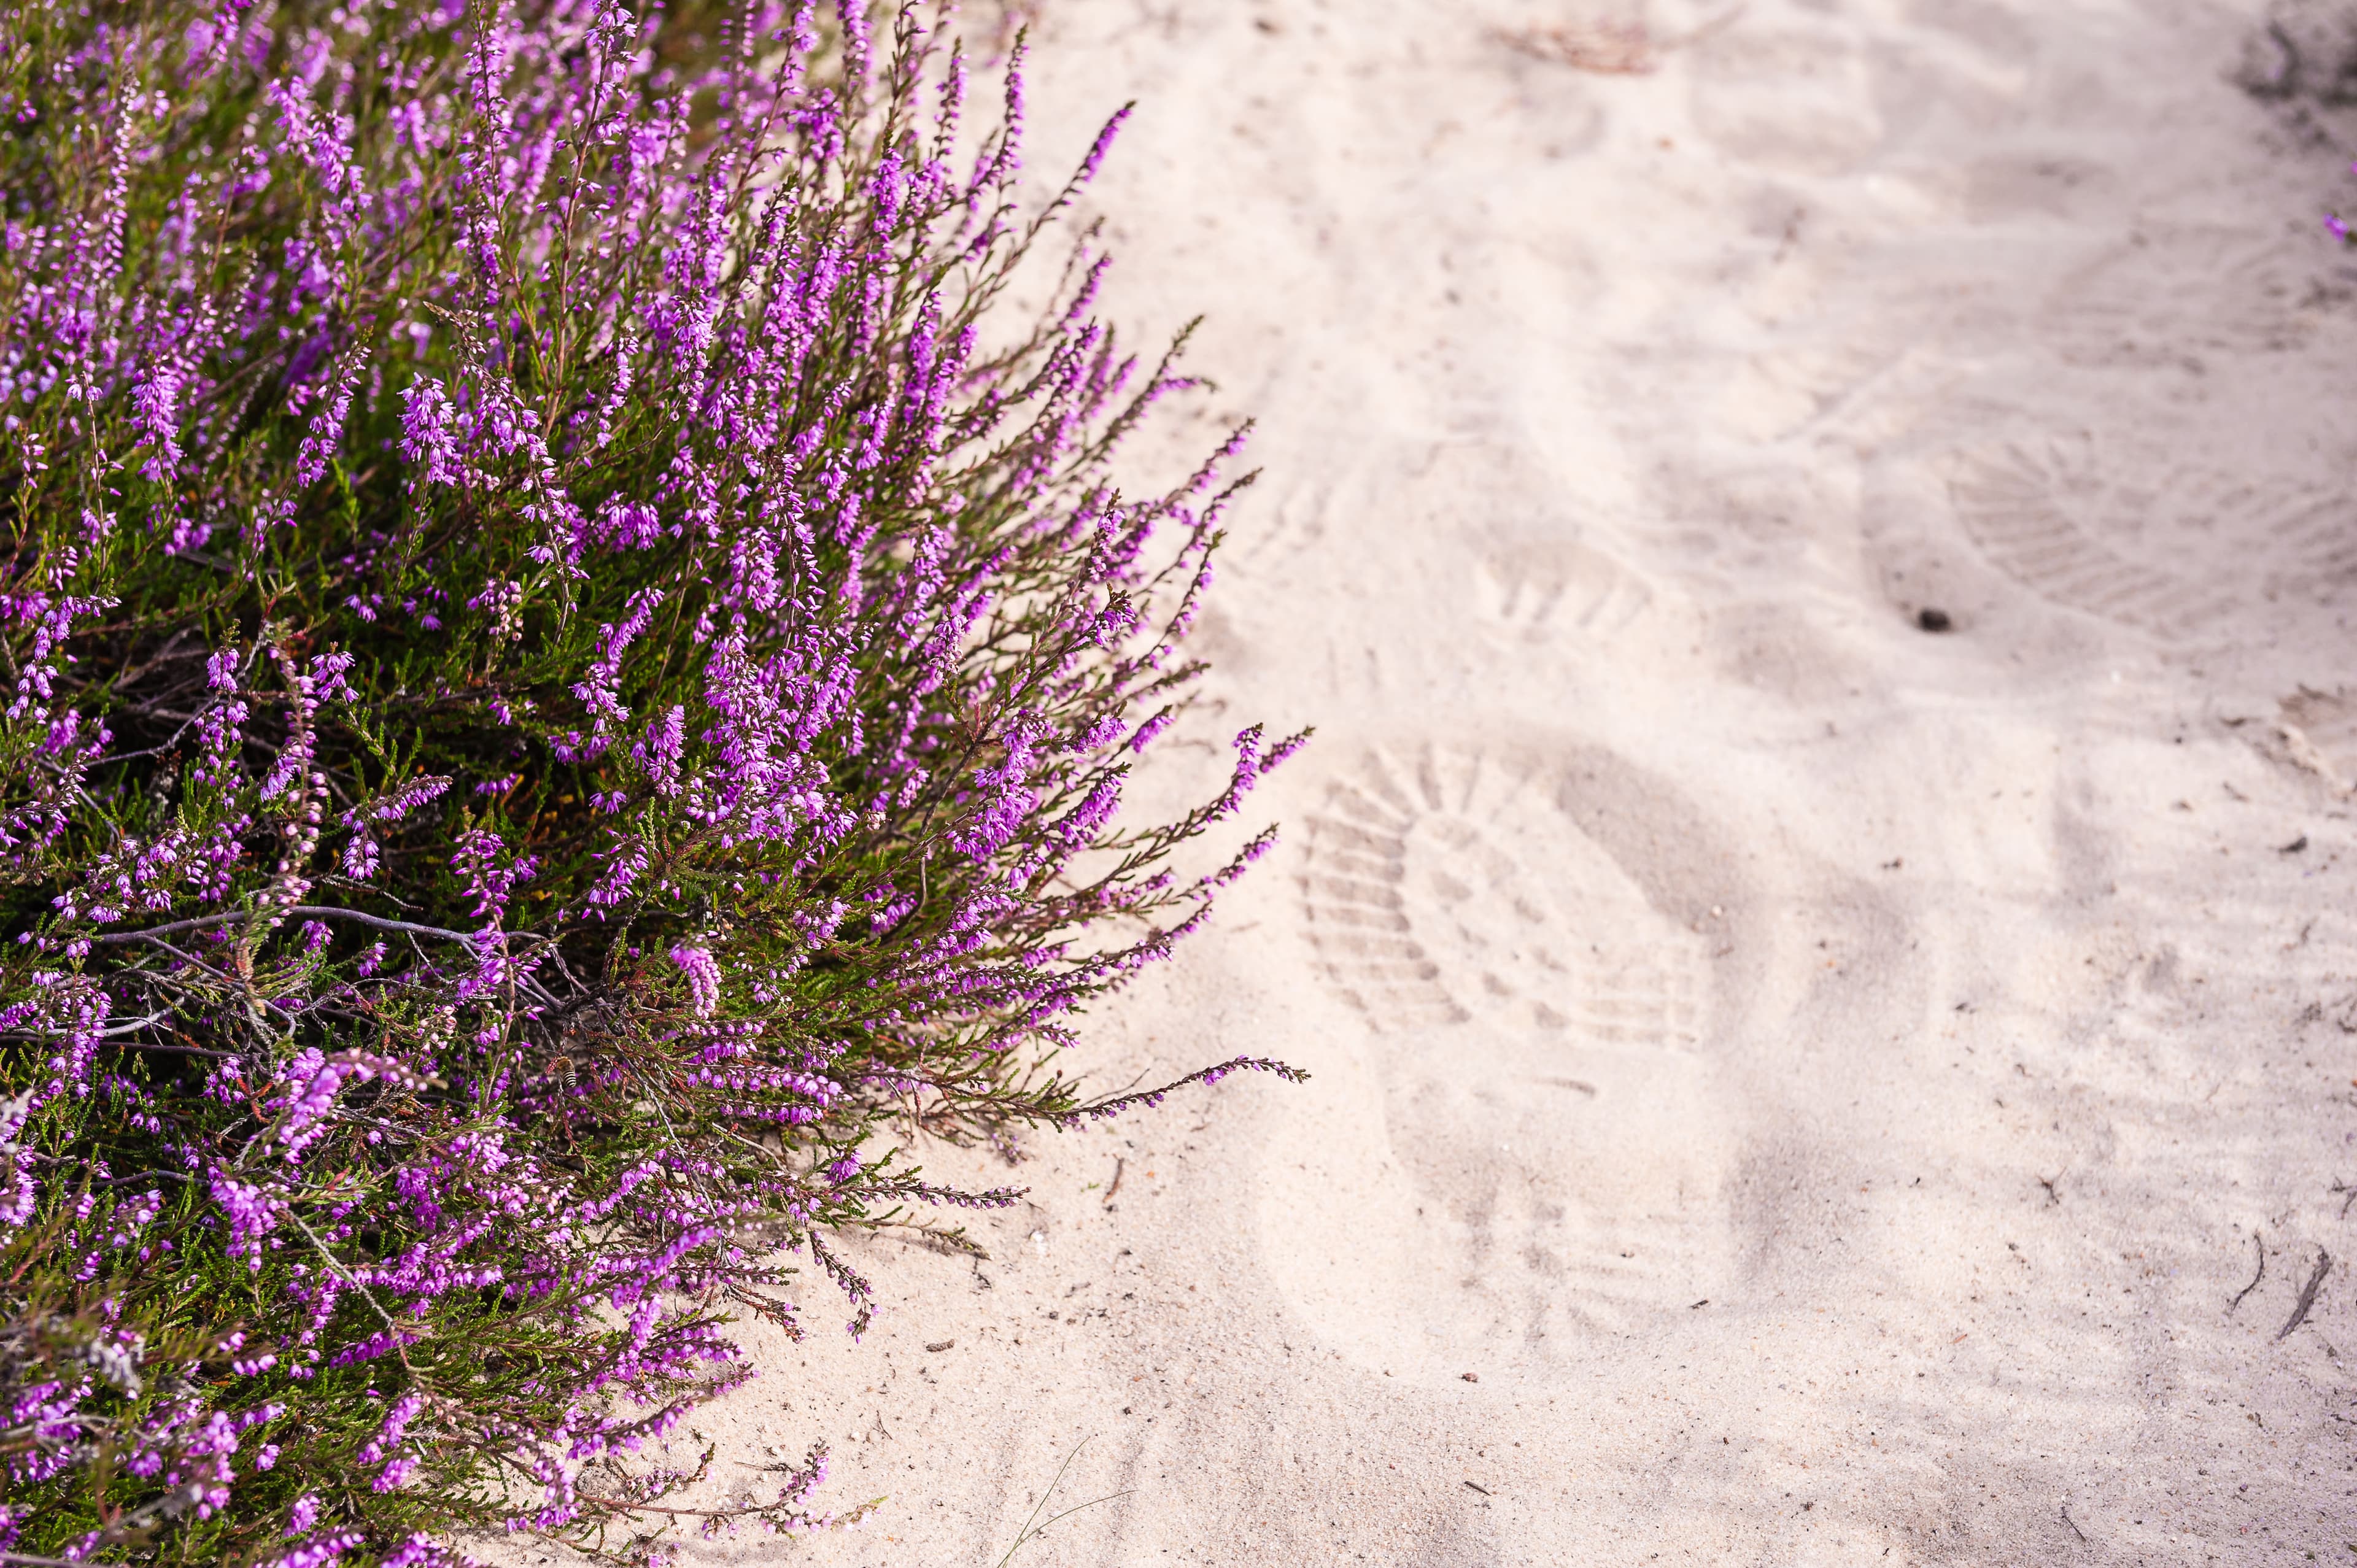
569,675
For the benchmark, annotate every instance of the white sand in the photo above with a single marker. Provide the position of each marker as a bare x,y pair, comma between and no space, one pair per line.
1824,1079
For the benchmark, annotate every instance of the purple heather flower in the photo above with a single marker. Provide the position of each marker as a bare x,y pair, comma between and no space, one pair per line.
703,977
799,632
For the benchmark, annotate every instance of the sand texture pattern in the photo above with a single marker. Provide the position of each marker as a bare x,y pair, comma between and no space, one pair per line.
1791,1086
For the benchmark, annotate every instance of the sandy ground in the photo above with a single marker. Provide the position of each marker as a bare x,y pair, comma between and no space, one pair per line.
1791,1087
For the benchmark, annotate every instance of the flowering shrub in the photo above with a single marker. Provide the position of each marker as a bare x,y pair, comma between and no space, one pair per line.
568,682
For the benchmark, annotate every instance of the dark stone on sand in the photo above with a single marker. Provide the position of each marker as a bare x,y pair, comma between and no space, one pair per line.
1934,620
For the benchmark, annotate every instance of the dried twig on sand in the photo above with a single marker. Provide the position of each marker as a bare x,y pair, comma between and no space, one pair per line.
2247,1289
2307,1294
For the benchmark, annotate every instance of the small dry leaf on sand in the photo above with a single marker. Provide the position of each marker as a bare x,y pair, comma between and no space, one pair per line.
1608,48
2292,744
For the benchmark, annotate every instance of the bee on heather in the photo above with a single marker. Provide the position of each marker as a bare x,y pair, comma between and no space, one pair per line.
570,678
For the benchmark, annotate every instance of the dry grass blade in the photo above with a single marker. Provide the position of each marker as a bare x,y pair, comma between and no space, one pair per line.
1034,1526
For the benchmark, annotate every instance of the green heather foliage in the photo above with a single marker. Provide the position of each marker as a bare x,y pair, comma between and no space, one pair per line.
568,661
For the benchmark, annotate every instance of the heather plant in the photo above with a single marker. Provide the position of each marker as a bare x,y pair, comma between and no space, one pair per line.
572,653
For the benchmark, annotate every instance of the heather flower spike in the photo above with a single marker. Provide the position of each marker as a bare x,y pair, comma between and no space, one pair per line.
570,692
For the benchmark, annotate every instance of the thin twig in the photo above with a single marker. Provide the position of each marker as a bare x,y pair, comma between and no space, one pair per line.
1119,1164
2247,1289
346,1275
686,1513
309,911
133,1027
2072,1523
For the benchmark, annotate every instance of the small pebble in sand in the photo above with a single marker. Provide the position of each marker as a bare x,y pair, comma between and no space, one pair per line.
1934,620
1472,1376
